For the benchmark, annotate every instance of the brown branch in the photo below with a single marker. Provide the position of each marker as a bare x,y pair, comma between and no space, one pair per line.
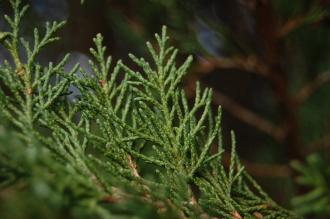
295,23
236,215
249,64
322,144
258,215
289,26
132,166
262,170
304,93
267,170
247,116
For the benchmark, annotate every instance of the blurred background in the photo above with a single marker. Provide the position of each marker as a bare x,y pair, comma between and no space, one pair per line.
268,62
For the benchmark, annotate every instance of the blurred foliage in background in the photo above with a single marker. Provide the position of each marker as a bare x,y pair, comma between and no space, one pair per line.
267,60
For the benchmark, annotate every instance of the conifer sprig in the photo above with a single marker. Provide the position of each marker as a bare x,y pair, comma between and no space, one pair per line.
128,137
30,85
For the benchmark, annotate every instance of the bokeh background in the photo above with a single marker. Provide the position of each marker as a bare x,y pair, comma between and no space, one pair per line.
268,62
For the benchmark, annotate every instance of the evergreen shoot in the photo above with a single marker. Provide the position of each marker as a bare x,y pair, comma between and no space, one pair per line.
130,144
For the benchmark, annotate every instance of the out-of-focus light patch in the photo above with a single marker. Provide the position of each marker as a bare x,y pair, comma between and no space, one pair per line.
51,9
209,39
82,59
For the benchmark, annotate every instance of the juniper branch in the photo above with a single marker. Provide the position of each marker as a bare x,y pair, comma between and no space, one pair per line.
121,122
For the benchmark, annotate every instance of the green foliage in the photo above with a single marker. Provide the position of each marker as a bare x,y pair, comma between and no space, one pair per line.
130,145
315,175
